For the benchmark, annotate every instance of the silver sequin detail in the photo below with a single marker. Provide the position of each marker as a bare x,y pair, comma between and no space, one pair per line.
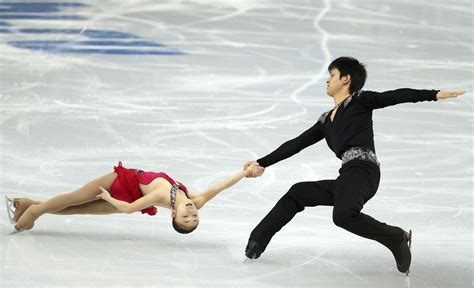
359,153
323,117
173,190
356,94
346,102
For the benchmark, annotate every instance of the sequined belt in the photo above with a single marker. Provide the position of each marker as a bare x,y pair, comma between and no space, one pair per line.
359,153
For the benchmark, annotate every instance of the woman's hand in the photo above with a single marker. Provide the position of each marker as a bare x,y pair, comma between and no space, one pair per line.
449,94
253,169
105,195
248,163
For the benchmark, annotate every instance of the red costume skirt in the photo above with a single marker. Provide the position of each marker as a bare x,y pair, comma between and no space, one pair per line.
126,187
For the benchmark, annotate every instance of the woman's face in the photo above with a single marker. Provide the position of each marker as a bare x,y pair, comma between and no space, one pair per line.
186,214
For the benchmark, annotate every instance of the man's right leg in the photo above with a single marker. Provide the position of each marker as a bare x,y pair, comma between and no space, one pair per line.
300,195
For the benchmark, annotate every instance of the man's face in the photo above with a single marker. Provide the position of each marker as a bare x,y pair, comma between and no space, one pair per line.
335,83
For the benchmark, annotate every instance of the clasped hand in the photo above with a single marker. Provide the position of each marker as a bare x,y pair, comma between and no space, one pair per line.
253,169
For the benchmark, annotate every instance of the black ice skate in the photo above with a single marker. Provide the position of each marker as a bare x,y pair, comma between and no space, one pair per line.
403,254
253,250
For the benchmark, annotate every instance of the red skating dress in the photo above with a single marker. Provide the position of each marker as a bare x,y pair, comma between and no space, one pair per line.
126,186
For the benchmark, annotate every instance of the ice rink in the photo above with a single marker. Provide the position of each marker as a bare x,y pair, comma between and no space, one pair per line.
196,88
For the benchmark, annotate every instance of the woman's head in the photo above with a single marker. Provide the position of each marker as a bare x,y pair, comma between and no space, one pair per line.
185,217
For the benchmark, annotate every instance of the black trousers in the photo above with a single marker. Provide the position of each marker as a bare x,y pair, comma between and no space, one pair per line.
357,183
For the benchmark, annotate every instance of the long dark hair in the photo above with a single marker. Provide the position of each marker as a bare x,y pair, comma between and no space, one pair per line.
181,230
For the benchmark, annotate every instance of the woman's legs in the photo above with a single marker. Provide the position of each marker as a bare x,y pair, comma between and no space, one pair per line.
97,207
21,204
85,194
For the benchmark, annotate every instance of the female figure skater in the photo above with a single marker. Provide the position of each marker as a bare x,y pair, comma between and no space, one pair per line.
348,130
124,191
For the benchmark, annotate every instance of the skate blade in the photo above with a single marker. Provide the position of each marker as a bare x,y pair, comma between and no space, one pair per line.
248,260
409,247
10,211
15,231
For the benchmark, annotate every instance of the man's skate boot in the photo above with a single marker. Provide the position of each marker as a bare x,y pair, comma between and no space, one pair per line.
253,250
403,254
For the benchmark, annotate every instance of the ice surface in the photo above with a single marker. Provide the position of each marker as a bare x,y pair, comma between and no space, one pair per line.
249,76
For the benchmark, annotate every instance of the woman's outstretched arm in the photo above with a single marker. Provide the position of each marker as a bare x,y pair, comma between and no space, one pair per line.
203,197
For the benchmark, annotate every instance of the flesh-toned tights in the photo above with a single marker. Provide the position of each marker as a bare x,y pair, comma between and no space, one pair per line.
80,201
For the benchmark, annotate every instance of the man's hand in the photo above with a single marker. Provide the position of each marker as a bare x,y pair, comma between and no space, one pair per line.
248,163
253,169
449,94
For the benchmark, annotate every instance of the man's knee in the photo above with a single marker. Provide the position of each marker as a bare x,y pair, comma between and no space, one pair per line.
342,217
295,194
297,190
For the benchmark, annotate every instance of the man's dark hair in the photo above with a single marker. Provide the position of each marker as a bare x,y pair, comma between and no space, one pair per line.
181,230
350,66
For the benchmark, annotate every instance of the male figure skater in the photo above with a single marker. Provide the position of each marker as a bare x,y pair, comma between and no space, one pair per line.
348,130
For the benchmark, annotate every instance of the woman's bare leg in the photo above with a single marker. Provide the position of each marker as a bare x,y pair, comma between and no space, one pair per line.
98,207
21,204
85,194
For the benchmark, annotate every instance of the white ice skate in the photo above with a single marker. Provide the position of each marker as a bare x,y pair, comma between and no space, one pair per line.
14,231
10,209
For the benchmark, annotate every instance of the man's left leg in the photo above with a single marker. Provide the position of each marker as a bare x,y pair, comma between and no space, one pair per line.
357,183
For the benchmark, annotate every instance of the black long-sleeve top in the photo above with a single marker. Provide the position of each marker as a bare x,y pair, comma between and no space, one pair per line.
352,125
